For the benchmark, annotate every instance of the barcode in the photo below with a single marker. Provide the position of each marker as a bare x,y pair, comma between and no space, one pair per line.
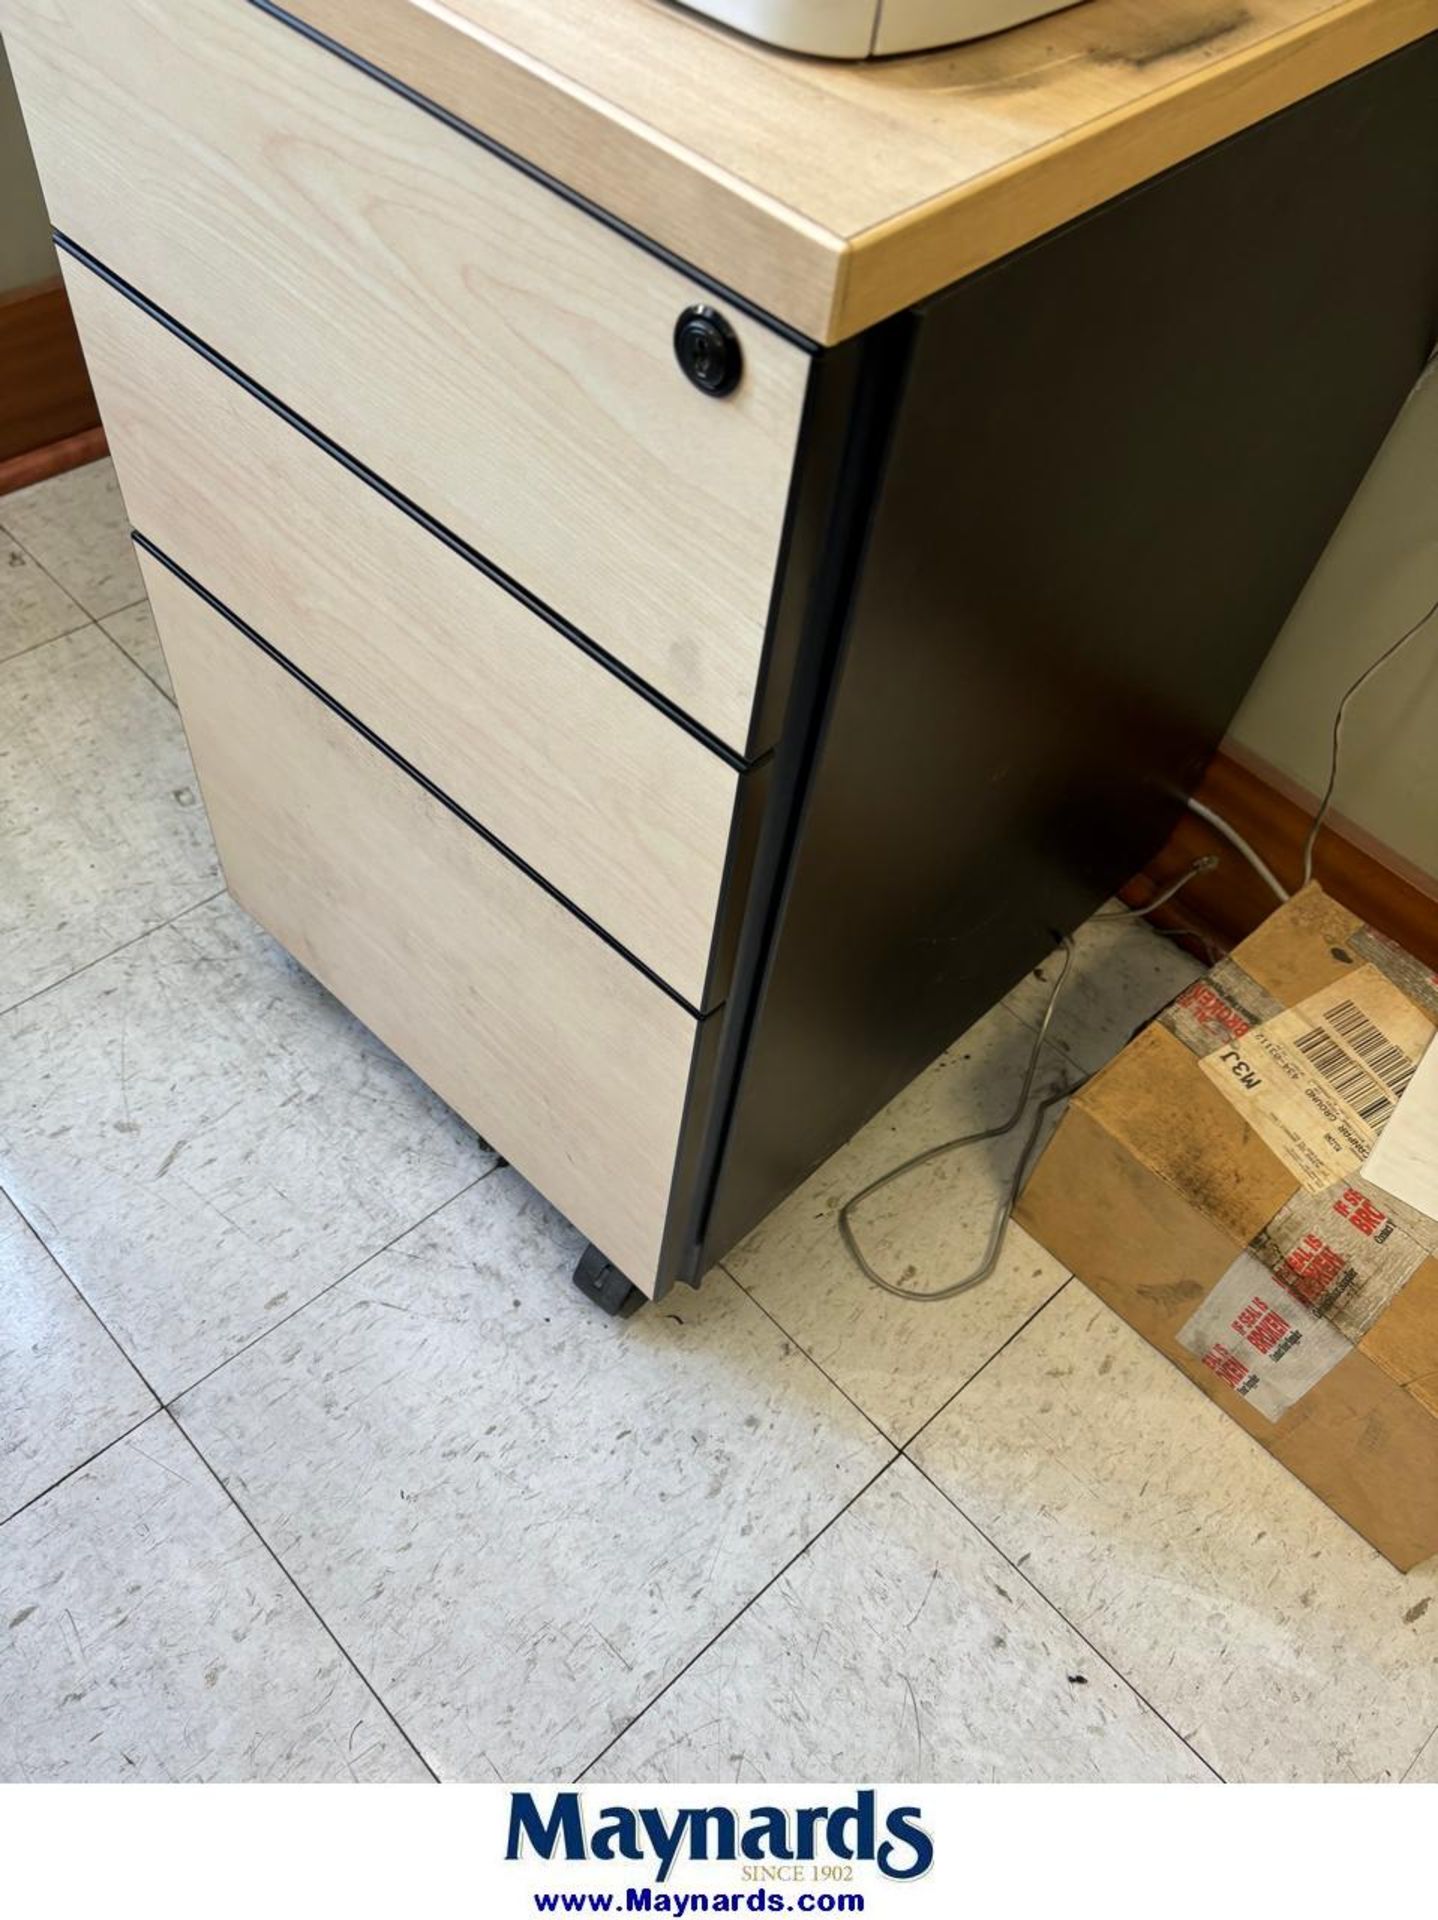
1354,1083
1388,1061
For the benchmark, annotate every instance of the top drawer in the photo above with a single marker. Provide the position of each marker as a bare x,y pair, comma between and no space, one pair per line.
499,355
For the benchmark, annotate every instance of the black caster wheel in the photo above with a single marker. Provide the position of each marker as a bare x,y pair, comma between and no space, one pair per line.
605,1285
485,1147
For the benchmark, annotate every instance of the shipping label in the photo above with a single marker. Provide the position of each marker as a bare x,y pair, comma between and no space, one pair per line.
1318,1082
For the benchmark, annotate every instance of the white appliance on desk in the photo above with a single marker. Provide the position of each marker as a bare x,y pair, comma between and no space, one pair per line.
865,29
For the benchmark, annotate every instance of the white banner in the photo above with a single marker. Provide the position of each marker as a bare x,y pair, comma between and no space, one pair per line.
492,1853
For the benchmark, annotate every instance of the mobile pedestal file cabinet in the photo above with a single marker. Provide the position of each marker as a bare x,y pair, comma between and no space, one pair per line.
669,652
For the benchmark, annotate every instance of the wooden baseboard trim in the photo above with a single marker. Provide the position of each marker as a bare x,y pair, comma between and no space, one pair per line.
1221,907
43,463
45,396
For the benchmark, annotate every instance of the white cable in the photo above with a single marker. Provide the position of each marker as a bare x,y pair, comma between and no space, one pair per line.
1002,1218
1311,843
999,1231
1205,865
1235,839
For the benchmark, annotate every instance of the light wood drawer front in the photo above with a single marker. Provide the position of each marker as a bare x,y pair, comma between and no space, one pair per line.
501,357
548,1042
615,804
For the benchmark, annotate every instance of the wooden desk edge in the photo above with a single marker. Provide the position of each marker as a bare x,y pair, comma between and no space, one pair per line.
930,246
831,285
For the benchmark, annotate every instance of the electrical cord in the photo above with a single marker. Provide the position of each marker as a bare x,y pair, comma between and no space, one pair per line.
1335,755
1205,865
1336,748
998,1233
1004,1215
1235,839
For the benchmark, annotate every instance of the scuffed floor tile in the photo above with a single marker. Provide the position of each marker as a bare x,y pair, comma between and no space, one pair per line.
33,608
1122,974
901,1646
897,1359
206,1138
66,1390
147,1635
103,831
76,526
1279,1644
523,1518
1424,1771
133,631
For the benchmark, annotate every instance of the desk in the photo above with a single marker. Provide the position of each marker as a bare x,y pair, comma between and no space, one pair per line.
685,567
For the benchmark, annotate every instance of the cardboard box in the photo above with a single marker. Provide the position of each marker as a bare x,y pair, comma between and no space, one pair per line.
1210,1186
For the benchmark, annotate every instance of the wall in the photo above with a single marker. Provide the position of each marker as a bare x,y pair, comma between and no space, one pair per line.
1379,574
26,254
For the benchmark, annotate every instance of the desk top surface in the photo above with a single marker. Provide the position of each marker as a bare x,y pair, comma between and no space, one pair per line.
834,194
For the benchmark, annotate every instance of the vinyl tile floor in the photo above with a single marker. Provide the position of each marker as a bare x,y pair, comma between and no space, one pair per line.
313,1466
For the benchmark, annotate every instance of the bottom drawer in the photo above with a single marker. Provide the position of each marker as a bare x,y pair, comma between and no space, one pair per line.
548,1042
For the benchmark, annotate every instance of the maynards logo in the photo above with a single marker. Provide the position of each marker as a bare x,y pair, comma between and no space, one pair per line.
857,1831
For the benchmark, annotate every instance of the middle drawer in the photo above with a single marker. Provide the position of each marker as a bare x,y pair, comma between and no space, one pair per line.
622,810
